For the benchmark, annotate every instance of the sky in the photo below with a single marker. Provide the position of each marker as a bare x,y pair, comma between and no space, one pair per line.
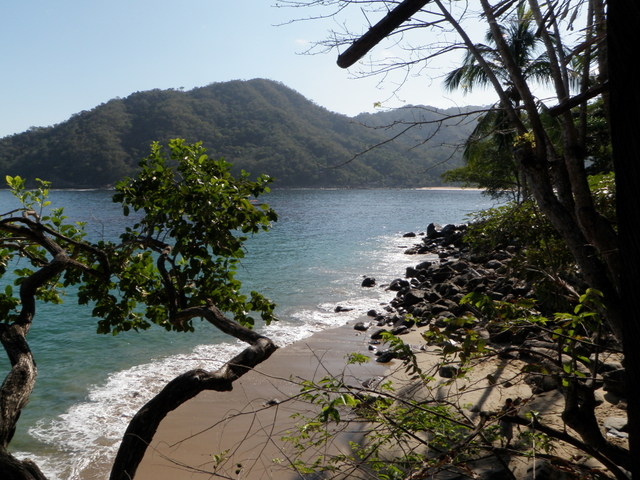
61,57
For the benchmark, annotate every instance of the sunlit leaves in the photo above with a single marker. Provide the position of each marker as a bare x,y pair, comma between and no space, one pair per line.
192,219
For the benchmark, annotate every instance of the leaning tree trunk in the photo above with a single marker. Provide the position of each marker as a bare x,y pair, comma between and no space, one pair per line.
144,424
14,395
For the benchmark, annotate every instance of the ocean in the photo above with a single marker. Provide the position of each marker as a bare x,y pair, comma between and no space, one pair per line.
312,260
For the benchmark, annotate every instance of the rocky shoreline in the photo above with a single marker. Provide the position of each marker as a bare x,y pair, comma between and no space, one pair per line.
248,424
429,298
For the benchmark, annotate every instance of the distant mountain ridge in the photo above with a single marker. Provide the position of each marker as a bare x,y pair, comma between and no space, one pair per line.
260,126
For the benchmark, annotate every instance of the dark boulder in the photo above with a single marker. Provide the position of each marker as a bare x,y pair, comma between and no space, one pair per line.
448,371
412,297
400,330
411,272
615,382
361,326
398,284
540,383
368,282
433,230
385,356
377,335
424,265
421,310
340,308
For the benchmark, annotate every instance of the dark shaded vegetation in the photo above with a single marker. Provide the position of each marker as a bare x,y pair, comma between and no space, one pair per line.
258,125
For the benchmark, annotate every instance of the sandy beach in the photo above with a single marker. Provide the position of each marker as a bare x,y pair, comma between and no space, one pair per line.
239,434
244,427
248,422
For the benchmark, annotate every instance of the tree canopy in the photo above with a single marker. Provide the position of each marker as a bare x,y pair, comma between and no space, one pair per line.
176,264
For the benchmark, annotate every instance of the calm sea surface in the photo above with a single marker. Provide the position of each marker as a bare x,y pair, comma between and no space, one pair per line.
313,259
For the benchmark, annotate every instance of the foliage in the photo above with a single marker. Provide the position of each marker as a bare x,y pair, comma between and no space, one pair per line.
14,252
523,226
540,255
400,433
598,141
196,217
603,187
261,125
564,238
488,154
488,164
390,423
193,216
175,264
524,46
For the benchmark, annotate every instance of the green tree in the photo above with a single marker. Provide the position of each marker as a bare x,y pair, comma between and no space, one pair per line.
489,162
524,47
552,155
488,152
175,265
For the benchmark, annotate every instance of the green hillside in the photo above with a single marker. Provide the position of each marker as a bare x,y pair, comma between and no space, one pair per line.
258,125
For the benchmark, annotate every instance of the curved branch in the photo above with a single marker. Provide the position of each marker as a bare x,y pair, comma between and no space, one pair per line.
35,232
145,423
565,437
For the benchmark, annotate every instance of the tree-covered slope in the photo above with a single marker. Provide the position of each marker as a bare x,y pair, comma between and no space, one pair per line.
258,125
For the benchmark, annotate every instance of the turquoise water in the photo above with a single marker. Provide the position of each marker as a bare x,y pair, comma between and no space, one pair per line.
313,259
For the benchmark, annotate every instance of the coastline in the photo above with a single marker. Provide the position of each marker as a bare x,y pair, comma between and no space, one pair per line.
245,426
249,421
73,433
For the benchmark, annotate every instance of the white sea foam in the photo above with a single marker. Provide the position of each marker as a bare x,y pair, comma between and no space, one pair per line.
88,434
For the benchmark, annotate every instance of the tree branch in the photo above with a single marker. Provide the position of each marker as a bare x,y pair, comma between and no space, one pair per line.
379,31
145,423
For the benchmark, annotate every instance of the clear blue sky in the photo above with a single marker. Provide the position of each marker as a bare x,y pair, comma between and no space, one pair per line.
59,57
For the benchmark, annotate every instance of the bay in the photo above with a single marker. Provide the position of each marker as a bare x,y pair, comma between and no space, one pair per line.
312,260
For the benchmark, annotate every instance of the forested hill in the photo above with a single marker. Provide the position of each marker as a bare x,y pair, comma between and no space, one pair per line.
258,125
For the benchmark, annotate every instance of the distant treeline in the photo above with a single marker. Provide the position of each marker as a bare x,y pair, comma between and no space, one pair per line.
260,126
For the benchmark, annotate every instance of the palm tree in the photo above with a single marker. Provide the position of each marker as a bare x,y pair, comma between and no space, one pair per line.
489,162
522,43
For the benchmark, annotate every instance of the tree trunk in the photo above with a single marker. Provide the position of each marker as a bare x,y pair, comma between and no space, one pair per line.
13,469
623,46
19,382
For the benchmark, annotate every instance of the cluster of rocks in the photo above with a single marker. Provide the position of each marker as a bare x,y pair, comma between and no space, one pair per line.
430,294
432,290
